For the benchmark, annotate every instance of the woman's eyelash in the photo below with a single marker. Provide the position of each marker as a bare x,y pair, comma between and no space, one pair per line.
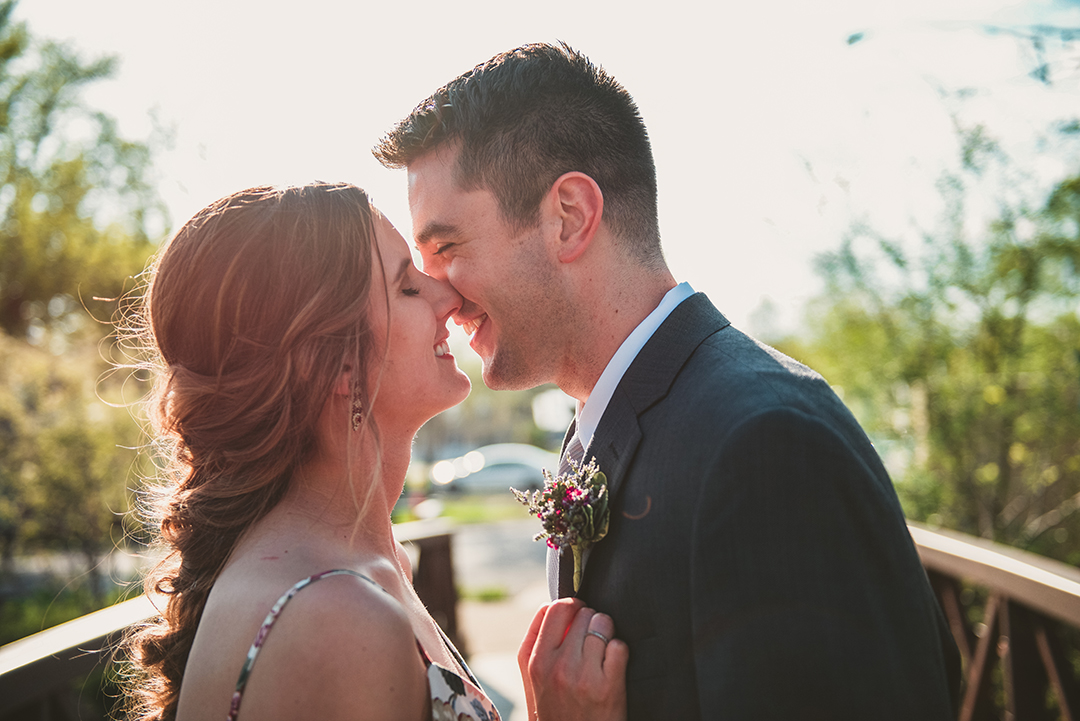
411,291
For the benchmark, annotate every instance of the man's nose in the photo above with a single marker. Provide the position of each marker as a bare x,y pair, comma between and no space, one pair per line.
446,300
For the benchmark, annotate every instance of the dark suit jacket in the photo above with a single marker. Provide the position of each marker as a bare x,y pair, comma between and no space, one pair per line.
758,563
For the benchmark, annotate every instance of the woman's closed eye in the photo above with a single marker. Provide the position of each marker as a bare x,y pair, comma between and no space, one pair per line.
411,291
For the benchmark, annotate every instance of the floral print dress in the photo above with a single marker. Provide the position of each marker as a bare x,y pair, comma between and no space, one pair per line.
452,698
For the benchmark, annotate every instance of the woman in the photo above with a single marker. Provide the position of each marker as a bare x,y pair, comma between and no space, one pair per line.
300,351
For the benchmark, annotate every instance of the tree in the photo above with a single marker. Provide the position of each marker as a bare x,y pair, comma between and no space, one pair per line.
78,218
76,206
65,457
965,353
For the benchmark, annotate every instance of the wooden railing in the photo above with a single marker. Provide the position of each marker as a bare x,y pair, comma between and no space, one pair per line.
37,672
1027,606
1031,608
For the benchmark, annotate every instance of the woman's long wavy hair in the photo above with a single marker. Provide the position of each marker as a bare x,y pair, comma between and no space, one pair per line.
252,311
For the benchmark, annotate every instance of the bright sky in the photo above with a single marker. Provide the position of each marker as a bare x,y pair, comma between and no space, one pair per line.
770,132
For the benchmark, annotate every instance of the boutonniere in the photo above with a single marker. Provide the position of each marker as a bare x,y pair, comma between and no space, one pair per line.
573,509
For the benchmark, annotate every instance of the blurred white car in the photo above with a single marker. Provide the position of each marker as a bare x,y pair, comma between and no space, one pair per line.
494,469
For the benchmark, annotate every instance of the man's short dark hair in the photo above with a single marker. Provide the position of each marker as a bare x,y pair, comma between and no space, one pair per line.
529,115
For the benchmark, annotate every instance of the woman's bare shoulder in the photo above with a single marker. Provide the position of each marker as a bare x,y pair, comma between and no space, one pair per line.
345,649
341,648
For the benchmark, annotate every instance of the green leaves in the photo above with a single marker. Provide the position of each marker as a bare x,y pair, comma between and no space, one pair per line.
961,357
597,516
66,457
78,219
78,213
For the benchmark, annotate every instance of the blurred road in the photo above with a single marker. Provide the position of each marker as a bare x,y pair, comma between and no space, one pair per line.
499,555
502,554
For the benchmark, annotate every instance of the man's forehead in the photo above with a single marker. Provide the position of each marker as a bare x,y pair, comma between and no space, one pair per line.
434,204
439,163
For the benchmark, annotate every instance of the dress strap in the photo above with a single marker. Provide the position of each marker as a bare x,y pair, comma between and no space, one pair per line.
457,656
271,617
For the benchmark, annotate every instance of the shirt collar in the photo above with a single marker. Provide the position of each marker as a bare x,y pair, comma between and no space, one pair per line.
589,415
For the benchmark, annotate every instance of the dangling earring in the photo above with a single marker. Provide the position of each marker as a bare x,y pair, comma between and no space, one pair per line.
356,411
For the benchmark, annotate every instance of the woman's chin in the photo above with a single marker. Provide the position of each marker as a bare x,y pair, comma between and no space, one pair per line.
406,413
462,386
463,391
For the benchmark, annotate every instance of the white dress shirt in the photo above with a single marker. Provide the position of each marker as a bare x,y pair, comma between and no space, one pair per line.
589,415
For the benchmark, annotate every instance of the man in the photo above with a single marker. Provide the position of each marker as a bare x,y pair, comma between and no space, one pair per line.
757,562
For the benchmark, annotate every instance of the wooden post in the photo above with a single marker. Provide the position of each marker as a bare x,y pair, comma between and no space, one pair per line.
433,579
977,705
1026,681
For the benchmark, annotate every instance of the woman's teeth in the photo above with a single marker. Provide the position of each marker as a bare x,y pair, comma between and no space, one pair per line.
442,349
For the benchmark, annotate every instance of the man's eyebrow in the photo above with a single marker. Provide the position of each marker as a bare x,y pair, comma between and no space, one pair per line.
436,230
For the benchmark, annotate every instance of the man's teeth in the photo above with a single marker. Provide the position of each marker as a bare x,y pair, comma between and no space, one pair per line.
442,349
470,326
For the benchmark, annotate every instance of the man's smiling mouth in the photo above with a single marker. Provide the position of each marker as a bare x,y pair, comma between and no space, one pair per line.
471,326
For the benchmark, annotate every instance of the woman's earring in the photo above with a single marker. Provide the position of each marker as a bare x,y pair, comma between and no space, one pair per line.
356,411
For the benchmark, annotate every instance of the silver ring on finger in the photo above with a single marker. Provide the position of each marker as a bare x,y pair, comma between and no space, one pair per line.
599,635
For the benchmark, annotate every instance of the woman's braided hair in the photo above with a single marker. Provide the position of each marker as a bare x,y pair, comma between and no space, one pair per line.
251,313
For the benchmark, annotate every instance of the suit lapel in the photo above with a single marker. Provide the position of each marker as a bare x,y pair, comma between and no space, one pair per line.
647,381
615,441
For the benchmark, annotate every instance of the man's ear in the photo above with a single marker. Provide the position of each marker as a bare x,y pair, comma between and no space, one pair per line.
578,207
